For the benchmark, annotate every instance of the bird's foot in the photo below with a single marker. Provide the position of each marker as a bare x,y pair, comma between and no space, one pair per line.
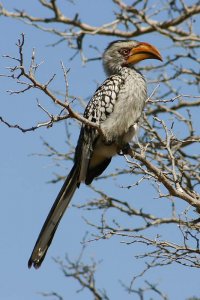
124,150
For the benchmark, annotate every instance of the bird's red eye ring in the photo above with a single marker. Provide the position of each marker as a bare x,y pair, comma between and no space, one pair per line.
124,51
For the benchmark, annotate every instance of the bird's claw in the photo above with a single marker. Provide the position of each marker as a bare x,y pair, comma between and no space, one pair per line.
124,150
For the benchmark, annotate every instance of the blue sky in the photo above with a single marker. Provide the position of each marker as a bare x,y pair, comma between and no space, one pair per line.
26,197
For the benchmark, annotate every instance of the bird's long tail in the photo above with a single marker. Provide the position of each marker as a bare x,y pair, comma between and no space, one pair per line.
49,228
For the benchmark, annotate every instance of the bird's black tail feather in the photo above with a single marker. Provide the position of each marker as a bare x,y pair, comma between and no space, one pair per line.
49,228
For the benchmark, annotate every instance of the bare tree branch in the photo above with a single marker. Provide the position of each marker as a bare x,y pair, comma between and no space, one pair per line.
165,155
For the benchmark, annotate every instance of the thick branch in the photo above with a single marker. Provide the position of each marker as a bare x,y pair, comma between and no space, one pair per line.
194,201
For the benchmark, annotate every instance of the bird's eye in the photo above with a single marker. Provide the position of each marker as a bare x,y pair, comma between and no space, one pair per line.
124,51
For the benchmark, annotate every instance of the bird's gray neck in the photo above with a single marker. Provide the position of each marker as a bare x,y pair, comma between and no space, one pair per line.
111,69
118,69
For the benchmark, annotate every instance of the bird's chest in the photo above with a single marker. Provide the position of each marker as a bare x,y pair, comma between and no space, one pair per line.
127,110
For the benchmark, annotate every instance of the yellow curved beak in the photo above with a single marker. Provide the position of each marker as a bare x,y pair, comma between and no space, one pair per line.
143,51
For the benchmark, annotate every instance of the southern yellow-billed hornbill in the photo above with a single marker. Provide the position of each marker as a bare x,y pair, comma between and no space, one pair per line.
117,106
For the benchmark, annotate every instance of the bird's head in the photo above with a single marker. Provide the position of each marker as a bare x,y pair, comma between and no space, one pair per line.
127,53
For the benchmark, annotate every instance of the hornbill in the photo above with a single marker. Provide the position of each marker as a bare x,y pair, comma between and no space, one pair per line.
116,106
